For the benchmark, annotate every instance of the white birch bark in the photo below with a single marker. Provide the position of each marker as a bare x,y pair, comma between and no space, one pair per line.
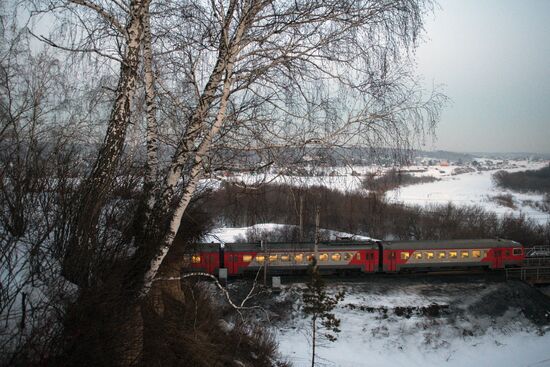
151,110
194,177
229,50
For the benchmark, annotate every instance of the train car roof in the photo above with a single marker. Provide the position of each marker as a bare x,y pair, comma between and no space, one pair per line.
302,246
445,244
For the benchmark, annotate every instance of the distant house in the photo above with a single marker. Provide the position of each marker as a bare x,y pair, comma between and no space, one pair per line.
444,164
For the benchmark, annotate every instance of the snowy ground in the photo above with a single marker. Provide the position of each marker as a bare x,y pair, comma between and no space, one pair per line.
473,327
474,188
229,235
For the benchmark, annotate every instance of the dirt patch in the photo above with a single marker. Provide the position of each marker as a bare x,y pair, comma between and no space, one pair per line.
432,310
534,305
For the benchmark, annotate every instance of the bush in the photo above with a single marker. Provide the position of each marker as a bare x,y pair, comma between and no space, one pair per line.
366,214
393,179
533,180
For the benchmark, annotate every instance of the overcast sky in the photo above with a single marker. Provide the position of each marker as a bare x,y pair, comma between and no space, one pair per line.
493,56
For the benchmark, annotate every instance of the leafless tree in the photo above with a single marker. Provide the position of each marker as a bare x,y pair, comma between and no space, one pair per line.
262,76
39,163
224,79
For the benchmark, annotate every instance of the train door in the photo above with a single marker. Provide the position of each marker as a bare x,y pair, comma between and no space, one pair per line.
369,261
390,260
234,264
228,260
231,260
207,261
498,259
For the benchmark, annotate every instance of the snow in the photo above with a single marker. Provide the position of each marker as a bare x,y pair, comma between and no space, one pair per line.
231,234
342,182
476,188
372,339
472,188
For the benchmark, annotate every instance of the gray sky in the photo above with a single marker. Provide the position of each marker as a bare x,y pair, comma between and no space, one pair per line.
493,56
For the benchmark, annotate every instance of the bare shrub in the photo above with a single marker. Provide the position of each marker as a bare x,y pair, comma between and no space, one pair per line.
531,180
198,331
393,179
506,200
368,214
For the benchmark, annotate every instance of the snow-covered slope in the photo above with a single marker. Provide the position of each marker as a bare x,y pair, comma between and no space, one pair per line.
390,323
229,235
476,188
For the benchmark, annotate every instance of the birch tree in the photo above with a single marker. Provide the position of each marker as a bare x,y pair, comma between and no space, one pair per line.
260,76
229,78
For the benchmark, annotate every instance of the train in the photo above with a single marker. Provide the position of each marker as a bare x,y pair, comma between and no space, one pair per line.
360,256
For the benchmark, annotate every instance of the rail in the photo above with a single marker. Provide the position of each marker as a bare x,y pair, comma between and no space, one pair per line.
531,274
537,251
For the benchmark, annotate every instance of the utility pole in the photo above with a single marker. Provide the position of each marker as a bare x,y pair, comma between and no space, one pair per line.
266,259
301,217
316,248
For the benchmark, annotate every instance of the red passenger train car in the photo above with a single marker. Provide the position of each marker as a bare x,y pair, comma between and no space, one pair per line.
286,257
451,254
364,256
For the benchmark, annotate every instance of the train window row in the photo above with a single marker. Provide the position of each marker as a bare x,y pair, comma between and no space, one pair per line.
299,258
441,255
347,256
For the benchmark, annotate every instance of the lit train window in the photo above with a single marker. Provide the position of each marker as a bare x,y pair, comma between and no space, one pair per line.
260,258
310,257
453,254
272,258
358,256
348,256
517,251
429,255
476,253
336,257
195,259
323,257
405,256
299,258
465,254
418,255
285,257
247,258
442,255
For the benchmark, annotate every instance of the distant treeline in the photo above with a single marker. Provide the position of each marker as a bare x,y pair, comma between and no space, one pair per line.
366,214
533,180
393,179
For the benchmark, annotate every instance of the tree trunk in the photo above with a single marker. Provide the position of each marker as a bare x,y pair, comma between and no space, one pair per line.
194,177
151,109
79,257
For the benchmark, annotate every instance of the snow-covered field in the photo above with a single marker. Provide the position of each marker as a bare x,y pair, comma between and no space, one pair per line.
229,235
472,188
466,332
475,188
